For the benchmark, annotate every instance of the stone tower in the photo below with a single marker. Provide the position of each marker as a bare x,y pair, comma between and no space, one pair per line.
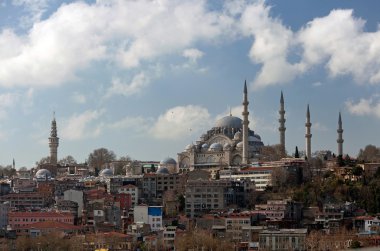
308,134
282,127
340,139
53,142
245,125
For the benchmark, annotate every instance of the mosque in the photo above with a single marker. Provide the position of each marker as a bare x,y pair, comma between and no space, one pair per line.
229,143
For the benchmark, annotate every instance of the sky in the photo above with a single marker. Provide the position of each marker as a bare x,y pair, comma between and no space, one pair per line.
145,78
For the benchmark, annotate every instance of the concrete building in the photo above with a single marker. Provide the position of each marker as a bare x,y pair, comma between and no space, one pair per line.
151,215
24,200
19,220
76,196
4,209
131,190
282,239
203,196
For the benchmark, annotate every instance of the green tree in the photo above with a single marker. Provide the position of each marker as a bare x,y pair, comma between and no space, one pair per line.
357,171
296,154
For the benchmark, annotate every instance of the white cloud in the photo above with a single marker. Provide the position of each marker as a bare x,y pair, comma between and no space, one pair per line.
78,98
34,9
317,84
180,121
365,107
139,124
192,55
131,34
270,48
138,82
318,126
346,48
79,126
7,100
55,49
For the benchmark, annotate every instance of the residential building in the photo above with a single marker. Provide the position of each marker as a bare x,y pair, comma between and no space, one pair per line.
133,191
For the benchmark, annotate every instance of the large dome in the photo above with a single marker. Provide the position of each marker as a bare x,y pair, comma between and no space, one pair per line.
162,170
106,172
229,122
43,173
168,160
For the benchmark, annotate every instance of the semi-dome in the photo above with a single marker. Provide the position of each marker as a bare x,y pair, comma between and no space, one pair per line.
205,146
254,138
189,147
237,135
162,170
106,172
167,161
42,174
239,145
216,147
227,146
229,122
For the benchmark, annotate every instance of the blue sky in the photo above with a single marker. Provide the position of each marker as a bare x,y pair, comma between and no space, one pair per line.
146,78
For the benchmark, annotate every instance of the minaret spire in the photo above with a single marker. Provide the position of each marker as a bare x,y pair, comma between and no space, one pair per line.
245,125
340,139
53,141
282,127
308,134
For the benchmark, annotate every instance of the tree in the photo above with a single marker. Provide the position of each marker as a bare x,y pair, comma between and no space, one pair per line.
370,154
357,171
68,160
271,152
279,177
99,157
44,160
120,166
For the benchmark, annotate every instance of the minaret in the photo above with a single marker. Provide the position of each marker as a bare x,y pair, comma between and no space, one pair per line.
282,127
308,134
53,142
340,139
245,125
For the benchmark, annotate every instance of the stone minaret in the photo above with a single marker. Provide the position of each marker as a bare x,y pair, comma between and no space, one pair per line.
308,134
282,127
340,139
53,142
245,125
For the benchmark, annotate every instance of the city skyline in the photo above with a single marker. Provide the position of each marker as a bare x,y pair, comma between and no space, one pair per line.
147,78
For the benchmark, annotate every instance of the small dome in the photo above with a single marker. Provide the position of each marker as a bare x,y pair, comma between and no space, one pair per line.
237,135
162,170
227,146
229,122
239,145
106,172
205,146
168,160
189,147
43,174
216,147
254,138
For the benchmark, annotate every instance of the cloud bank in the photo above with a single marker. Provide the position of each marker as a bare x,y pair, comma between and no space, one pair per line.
130,34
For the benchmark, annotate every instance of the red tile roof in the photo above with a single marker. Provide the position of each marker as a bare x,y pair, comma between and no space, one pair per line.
39,214
51,225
